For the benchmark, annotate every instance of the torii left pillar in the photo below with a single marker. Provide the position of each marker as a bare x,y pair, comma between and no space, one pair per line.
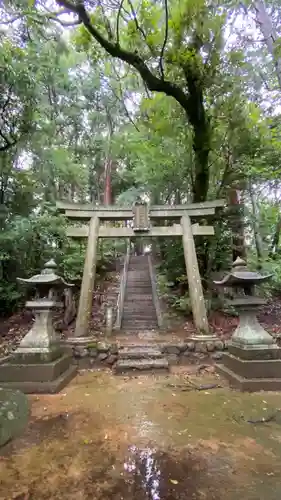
88,281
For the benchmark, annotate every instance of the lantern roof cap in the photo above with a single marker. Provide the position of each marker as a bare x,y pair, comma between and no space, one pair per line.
240,275
47,276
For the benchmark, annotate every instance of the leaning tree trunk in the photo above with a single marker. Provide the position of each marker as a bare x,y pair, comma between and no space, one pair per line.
269,34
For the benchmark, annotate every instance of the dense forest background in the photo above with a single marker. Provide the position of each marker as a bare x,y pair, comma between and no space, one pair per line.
103,101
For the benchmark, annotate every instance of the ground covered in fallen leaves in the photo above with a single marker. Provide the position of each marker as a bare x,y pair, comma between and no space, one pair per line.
153,437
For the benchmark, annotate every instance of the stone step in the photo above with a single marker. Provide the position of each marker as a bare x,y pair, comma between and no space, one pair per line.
132,275
142,313
140,366
138,276
140,283
139,325
145,327
138,322
140,307
131,319
135,284
140,316
139,266
144,271
140,352
138,310
136,298
138,286
139,271
138,303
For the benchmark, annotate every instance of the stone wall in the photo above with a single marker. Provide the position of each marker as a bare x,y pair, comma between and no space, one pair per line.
184,353
93,354
89,353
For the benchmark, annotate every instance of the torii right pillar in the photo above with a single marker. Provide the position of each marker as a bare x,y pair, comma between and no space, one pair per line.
195,286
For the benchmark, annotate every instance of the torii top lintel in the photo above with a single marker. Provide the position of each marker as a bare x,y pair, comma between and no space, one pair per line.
81,212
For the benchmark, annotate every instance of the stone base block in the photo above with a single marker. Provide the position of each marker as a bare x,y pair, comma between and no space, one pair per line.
269,353
27,358
37,378
253,369
250,384
49,387
205,343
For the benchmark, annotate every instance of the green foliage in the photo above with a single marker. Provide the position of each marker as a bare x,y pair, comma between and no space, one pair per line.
73,261
273,267
26,244
68,110
181,304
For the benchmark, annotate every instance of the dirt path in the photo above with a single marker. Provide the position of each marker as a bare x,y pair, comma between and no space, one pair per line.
152,437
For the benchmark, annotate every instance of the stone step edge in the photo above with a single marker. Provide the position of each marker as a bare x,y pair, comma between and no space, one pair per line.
142,365
141,355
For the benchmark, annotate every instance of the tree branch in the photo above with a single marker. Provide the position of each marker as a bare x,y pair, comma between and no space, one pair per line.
122,101
118,22
165,39
9,144
69,6
65,24
106,21
139,28
154,84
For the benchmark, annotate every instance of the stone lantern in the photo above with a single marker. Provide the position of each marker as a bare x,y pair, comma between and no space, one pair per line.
253,361
38,364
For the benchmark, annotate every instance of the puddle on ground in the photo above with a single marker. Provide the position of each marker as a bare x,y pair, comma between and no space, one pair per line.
148,438
156,475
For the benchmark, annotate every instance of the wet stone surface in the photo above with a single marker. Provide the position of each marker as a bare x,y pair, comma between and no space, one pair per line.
167,437
107,354
14,410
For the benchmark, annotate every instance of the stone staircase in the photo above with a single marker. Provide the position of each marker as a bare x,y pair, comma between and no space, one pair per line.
138,312
140,359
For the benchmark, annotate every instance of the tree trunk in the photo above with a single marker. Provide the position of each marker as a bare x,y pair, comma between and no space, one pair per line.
236,221
276,238
199,120
256,226
269,34
201,147
107,182
108,161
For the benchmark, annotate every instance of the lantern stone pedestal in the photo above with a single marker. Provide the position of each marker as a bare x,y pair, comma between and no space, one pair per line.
253,361
38,365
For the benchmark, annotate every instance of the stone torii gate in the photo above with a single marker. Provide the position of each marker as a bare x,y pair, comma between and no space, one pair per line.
141,215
